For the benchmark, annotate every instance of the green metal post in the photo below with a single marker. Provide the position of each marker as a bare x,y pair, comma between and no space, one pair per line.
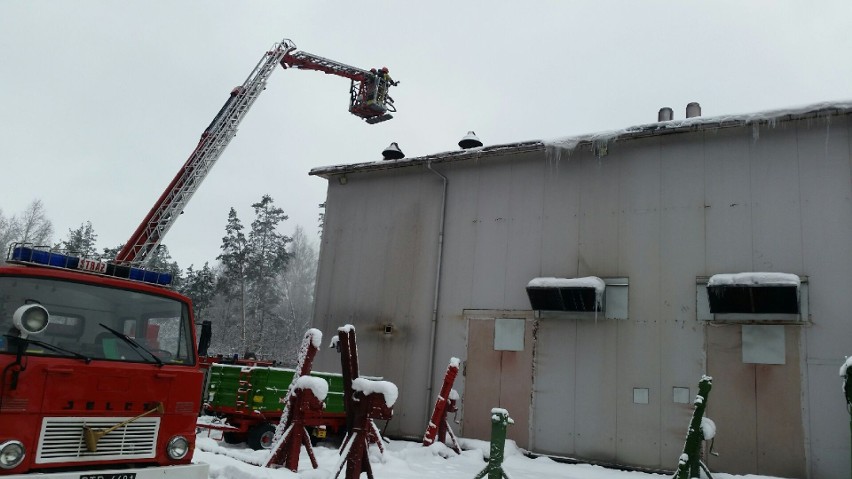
689,464
846,372
499,421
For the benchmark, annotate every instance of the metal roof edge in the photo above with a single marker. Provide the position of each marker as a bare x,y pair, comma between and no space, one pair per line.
699,123
443,157
769,117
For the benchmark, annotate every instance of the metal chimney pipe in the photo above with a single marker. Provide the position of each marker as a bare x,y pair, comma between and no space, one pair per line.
665,114
693,110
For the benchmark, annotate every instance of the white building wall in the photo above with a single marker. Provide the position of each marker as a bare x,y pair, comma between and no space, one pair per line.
660,211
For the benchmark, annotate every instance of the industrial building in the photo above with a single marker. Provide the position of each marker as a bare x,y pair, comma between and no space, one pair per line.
588,283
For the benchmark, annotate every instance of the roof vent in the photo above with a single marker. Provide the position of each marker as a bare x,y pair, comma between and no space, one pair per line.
693,109
566,294
392,152
665,114
470,141
754,293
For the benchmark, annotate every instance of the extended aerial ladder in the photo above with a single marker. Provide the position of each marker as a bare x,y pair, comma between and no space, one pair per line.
368,99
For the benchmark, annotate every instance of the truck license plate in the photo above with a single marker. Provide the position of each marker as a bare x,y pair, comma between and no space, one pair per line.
114,475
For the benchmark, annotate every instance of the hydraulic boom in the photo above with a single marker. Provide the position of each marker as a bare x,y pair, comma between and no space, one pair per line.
368,99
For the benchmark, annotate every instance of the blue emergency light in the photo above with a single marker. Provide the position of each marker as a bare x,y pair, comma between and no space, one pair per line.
45,257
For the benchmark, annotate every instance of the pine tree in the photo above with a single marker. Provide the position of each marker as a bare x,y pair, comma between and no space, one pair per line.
232,282
267,258
161,260
111,253
82,240
200,286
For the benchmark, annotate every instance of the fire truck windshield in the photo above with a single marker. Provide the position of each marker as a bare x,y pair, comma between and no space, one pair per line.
84,320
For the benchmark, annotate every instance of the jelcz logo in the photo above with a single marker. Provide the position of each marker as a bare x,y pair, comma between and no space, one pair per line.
127,475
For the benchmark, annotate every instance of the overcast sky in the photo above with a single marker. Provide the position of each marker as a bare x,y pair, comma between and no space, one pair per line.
103,101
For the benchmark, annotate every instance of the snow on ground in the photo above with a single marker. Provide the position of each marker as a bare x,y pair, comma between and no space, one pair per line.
410,460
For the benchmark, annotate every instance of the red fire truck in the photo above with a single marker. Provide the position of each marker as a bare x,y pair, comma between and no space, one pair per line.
100,373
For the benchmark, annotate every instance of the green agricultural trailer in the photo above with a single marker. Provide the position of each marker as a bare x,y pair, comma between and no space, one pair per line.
244,402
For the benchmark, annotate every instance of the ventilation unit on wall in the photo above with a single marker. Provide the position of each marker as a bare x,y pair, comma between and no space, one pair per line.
761,297
579,297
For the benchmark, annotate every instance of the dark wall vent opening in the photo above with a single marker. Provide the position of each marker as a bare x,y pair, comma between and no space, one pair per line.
564,299
763,299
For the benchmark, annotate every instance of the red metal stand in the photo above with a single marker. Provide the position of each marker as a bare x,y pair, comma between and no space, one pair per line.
303,402
365,409
446,403
361,409
300,403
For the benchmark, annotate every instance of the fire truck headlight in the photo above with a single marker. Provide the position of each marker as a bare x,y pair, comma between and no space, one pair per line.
178,447
30,319
11,454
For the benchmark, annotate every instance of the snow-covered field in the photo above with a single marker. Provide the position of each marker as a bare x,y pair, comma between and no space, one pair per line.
409,460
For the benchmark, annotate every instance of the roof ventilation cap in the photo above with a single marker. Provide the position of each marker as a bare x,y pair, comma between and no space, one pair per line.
470,141
392,152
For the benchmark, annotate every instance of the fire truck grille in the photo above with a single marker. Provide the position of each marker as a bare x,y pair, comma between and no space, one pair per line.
62,439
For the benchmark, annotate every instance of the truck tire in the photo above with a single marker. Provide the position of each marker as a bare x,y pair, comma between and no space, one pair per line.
260,436
232,437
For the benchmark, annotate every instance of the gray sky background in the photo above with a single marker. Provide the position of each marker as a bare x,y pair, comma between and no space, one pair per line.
103,101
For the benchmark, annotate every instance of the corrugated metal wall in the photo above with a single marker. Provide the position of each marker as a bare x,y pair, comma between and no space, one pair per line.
660,211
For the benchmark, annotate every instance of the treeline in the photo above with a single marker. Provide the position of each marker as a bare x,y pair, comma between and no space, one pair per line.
258,292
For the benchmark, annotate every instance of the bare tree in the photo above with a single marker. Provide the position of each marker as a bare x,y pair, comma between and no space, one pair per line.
9,231
297,286
35,227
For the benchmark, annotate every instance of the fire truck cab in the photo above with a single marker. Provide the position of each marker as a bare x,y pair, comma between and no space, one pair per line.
100,374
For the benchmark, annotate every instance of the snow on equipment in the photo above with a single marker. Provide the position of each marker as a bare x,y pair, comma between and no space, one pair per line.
100,374
500,420
305,398
701,428
365,400
446,403
368,100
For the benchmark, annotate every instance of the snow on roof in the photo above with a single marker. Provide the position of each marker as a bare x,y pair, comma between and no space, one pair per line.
754,279
385,388
768,117
586,282
554,148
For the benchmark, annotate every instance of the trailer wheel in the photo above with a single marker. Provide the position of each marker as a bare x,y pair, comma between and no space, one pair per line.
260,436
232,437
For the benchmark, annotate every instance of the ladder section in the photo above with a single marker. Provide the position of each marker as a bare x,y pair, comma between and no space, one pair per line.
309,61
213,142
243,390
